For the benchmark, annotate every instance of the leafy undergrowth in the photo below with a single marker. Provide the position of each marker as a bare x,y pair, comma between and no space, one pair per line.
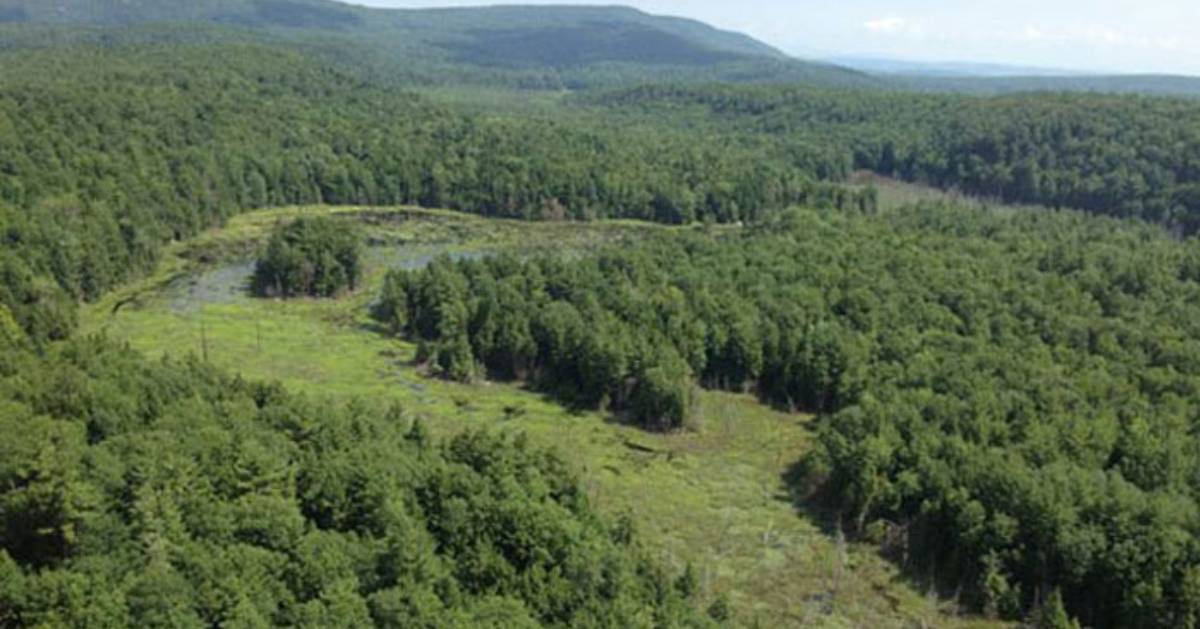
713,498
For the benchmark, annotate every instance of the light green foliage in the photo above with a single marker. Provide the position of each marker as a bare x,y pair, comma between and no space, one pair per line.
10,332
713,497
1052,614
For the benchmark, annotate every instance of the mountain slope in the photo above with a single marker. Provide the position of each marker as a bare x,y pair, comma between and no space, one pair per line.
468,28
540,47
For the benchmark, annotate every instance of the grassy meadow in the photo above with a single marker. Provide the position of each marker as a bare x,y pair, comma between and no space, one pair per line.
714,497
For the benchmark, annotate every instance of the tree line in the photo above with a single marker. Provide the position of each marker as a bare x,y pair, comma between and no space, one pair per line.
1127,156
548,323
109,152
1007,399
166,494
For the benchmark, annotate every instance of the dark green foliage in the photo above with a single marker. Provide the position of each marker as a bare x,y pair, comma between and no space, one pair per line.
317,257
140,494
1126,156
719,609
107,153
1011,395
549,323
1053,615
1013,370
1010,398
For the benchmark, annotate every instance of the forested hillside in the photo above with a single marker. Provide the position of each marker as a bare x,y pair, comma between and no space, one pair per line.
551,47
1008,399
1128,156
1002,399
168,139
107,154
535,48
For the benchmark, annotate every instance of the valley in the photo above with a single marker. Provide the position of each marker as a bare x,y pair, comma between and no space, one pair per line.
715,498
326,316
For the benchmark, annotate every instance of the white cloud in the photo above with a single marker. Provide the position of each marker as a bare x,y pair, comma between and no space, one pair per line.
1032,33
887,25
1096,35
1100,34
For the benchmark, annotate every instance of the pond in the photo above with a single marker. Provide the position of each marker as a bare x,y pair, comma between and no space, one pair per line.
229,282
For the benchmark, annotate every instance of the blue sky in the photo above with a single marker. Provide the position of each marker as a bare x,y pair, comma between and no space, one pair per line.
1100,35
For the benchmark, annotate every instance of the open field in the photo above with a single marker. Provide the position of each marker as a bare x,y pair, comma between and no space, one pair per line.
896,193
714,497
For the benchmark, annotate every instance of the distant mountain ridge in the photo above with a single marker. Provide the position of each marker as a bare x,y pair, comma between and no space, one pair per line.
444,26
542,46
1145,84
996,78
887,65
530,47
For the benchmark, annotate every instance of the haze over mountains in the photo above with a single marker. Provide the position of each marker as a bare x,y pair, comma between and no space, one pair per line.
902,67
540,47
531,46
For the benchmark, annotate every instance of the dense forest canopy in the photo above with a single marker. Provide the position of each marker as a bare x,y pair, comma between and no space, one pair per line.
1004,398
162,142
168,139
100,167
149,494
1014,396
1128,156
104,161
560,326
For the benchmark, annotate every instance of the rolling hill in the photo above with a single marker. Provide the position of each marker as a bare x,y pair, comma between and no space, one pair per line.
1147,84
539,47
529,47
992,79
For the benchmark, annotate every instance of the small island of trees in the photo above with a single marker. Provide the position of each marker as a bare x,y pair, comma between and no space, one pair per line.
313,257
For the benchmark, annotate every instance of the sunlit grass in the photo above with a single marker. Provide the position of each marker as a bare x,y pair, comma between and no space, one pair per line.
714,497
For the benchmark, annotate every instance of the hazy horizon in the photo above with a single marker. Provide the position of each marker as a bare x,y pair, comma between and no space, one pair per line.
1116,36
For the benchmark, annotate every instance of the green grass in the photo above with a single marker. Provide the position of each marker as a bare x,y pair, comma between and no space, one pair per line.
713,497
895,194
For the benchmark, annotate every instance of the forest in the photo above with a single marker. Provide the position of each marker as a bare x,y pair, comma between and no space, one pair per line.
1128,156
142,494
1007,398
998,393
99,169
